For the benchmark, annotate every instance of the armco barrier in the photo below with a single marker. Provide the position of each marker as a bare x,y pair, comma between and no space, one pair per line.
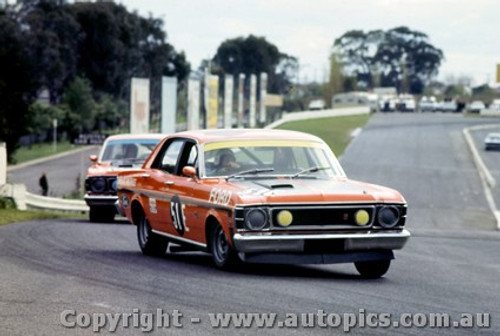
34,201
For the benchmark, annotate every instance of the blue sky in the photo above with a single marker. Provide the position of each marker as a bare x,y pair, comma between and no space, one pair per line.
466,31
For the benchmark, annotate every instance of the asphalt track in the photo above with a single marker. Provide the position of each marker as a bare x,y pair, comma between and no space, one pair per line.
450,265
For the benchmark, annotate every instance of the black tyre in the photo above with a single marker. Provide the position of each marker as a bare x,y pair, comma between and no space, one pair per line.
149,242
101,214
223,254
372,269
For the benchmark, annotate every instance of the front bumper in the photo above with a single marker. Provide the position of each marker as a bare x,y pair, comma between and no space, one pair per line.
100,200
321,243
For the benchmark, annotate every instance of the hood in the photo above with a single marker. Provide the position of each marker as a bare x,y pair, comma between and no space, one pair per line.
313,191
107,169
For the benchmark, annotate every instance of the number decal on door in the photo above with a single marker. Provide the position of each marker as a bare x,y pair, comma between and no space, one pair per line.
177,214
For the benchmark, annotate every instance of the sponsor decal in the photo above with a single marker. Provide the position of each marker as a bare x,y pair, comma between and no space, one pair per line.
125,181
152,205
219,196
177,214
125,200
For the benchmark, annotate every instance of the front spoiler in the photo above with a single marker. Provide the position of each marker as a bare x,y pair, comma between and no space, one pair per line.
261,243
100,200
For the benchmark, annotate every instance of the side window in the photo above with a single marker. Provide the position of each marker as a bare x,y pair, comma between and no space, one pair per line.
170,156
193,156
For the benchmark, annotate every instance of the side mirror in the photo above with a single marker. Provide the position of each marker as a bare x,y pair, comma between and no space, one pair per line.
93,158
189,171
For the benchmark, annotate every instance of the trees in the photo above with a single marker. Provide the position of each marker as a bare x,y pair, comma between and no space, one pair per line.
398,57
253,55
48,44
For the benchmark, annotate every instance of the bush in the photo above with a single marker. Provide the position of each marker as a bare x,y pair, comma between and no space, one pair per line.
7,203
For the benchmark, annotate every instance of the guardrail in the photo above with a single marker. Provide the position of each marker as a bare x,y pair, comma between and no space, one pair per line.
34,201
26,200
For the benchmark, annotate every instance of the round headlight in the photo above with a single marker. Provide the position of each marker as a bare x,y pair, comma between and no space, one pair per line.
388,216
114,184
284,218
255,219
362,217
98,185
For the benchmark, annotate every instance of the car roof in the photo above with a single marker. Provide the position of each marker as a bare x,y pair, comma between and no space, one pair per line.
204,136
493,134
129,136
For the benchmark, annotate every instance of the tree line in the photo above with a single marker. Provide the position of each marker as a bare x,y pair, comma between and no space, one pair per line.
82,56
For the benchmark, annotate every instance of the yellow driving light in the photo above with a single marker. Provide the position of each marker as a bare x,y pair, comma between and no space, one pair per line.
362,217
284,218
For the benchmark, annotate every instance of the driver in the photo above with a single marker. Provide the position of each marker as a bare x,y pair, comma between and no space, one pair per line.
226,161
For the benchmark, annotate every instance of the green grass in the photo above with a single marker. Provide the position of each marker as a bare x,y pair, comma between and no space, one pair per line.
335,131
24,154
8,216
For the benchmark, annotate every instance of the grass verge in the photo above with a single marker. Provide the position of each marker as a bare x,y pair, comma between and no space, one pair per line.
36,151
8,216
335,131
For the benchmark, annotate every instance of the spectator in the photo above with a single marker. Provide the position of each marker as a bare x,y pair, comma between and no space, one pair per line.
44,184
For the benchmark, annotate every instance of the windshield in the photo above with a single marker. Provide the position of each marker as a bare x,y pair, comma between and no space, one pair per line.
270,158
127,151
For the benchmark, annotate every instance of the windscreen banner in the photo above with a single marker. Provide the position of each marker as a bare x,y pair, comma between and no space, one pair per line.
193,109
139,106
168,104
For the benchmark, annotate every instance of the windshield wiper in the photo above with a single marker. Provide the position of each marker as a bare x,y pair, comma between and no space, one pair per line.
308,170
251,172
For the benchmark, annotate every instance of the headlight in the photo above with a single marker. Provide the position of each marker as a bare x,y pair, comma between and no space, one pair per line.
98,185
113,183
255,219
362,217
284,218
388,216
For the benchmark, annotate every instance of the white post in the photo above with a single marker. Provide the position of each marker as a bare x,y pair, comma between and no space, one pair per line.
253,91
3,164
54,124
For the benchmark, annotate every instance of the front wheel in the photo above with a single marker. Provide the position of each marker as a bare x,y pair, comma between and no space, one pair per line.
149,242
223,254
372,269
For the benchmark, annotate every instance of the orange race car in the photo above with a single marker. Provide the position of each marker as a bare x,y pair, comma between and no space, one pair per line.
263,196
119,152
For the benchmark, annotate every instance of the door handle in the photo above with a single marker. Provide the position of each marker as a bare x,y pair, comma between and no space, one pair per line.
169,183
145,175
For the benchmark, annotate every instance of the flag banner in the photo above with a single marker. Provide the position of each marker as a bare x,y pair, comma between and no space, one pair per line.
241,98
253,92
139,106
262,100
193,110
213,101
228,101
168,104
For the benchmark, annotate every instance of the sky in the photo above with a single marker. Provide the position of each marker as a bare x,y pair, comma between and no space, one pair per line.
466,31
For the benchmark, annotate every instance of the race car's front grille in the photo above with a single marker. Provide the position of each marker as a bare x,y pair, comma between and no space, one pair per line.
323,216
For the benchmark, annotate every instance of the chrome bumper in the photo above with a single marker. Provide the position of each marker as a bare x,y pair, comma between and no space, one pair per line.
260,243
100,200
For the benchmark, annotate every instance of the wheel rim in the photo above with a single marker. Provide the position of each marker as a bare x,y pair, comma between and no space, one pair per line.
221,246
144,231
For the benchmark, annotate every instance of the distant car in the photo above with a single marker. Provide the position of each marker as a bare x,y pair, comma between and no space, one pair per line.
427,104
448,106
118,153
260,196
492,141
476,106
406,103
316,104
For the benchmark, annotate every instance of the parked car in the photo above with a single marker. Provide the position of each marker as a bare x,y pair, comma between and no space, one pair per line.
492,141
476,106
261,196
427,104
406,103
448,106
119,152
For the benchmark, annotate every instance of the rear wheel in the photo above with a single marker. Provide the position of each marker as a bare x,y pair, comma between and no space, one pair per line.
223,254
372,269
102,214
149,242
